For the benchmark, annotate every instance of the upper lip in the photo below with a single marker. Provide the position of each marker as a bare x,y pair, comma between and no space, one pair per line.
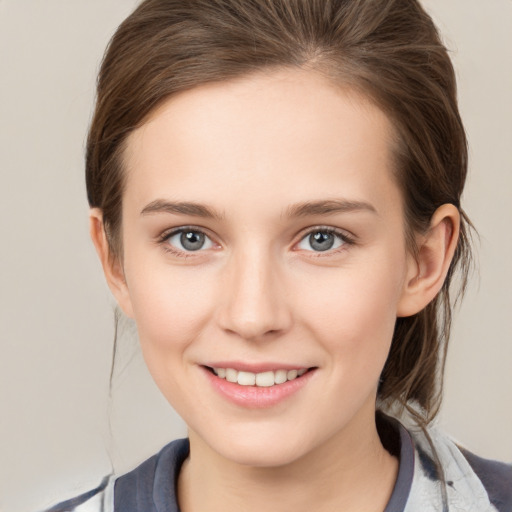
255,367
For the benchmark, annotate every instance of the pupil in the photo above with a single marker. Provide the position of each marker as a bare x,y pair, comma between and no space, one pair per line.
321,241
192,241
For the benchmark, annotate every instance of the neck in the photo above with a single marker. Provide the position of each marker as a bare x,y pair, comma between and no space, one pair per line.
350,471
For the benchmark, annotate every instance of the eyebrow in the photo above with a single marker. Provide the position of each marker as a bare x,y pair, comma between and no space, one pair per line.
307,208
328,207
181,208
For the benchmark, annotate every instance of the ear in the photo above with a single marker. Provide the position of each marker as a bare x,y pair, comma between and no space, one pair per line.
112,266
427,271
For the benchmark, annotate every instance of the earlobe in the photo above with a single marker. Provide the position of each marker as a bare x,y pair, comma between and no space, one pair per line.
112,267
427,271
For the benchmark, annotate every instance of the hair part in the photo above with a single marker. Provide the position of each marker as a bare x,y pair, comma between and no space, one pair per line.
388,50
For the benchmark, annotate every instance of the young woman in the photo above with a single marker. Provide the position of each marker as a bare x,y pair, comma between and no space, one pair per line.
275,199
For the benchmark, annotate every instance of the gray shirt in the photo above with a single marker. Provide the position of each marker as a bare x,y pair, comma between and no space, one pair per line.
435,475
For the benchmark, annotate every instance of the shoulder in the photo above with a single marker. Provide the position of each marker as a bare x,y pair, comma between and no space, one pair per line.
137,490
153,481
99,499
462,479
495,476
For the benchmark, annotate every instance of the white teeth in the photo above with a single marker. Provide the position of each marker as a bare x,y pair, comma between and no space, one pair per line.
292,374
221,372
246,378
280,376
263,379
231,375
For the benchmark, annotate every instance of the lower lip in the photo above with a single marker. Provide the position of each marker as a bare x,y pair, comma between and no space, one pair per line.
255,397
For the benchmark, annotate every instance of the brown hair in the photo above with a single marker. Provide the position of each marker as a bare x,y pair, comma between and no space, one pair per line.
387,49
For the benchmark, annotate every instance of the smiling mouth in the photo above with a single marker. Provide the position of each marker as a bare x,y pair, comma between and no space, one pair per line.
263,379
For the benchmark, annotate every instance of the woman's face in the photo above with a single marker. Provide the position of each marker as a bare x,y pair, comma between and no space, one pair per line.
263,233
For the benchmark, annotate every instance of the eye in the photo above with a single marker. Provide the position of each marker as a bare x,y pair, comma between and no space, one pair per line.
188,240
321,240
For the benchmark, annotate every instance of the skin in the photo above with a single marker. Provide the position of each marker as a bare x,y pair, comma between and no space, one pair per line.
250,151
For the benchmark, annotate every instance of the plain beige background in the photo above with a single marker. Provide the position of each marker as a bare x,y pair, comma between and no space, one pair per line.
59,426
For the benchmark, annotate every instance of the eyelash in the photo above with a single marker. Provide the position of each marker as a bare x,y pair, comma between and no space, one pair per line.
344,237
166,235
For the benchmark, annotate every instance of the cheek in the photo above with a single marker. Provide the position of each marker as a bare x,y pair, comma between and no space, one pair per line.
171,312
353,311
171,306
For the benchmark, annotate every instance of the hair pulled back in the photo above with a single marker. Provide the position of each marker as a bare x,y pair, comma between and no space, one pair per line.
389,50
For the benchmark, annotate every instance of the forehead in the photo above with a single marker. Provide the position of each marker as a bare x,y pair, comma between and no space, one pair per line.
279,135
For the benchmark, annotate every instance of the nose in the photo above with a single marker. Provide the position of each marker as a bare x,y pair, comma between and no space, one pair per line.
254,302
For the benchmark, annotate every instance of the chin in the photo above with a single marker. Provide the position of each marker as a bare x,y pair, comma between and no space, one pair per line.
259,445
262,454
